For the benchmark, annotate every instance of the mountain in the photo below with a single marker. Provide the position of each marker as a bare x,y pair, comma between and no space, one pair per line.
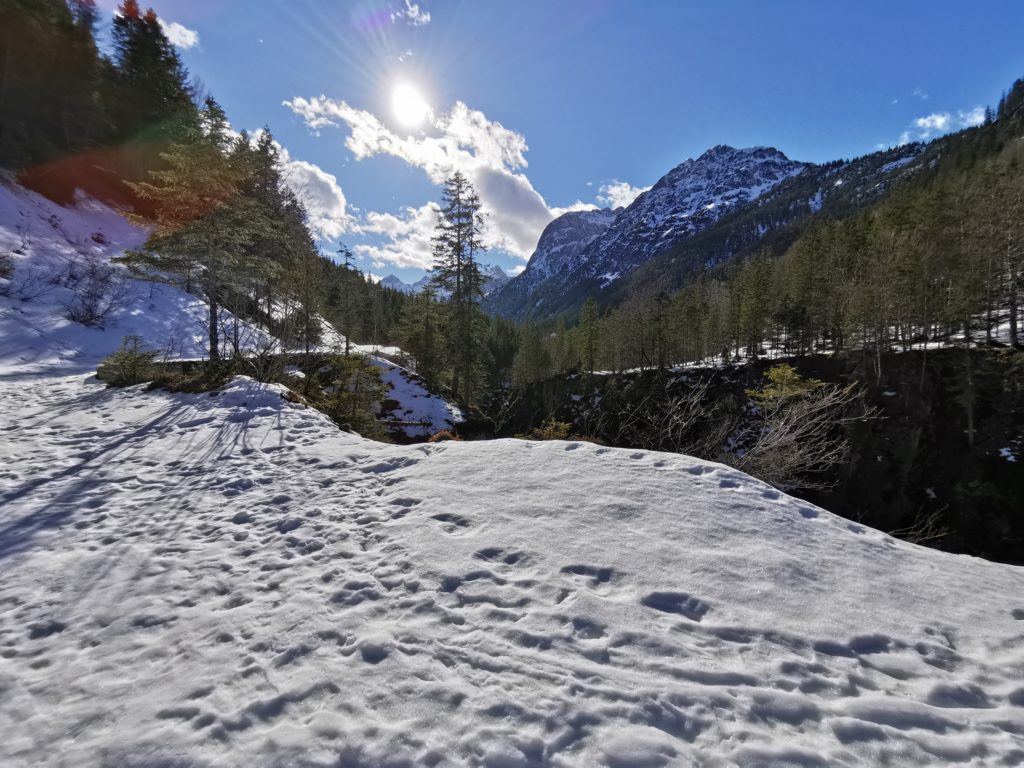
558,252
494,278
700,196
395,283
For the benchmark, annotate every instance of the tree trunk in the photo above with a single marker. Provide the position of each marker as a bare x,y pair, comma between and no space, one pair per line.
214,325
968,387
1014,309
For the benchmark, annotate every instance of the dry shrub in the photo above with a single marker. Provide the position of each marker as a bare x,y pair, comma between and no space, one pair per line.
443,435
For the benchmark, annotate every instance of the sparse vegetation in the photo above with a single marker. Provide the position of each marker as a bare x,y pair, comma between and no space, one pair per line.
132,364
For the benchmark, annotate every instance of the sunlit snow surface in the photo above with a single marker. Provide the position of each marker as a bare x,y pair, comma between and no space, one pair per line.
230,580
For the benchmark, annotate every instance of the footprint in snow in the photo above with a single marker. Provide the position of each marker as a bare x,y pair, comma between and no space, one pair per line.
677,602
597,579
453,525
493,554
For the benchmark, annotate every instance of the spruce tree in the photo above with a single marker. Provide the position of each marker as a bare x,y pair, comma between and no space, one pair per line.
202,222
155,102
457,241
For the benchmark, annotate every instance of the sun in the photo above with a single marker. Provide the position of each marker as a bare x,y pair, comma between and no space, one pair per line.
408,105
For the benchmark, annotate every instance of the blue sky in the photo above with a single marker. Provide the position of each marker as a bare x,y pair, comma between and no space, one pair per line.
553,105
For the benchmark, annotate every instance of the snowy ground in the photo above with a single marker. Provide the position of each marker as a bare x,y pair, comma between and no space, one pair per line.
49,243
222,581
425,413
192,581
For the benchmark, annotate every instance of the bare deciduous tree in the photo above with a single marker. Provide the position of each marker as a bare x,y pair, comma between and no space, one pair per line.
798,437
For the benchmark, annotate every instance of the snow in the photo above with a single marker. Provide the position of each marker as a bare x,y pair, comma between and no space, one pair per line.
231,580
425,412
49,241
898,163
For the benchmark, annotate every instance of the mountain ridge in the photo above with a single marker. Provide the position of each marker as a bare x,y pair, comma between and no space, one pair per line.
698,196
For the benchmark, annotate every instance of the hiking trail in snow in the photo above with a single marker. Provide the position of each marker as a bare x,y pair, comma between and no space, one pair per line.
197,580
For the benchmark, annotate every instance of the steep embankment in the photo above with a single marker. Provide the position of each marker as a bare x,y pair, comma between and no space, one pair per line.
62,265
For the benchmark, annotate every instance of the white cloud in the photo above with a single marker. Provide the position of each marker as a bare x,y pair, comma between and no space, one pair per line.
919,93
411,14
407,237
180,35
318,191
937,123
618,194
516,270
462,139
972,117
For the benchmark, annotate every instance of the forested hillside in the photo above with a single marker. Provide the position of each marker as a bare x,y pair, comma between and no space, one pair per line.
940,255
133,128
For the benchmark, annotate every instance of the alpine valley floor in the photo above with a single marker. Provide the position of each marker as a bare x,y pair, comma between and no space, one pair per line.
229,580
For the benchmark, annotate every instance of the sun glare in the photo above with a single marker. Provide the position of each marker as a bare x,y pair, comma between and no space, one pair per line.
409,107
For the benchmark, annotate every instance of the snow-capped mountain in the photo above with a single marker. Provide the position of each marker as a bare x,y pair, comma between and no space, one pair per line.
734,197
606,244
494,278
396,283
686,200
559,251
564,240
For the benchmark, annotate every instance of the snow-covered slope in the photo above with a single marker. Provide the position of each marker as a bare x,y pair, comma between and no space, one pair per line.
53,246
423,412
53,249
224,581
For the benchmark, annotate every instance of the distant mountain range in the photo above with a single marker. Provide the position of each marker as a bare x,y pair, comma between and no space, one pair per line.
705,211
494,279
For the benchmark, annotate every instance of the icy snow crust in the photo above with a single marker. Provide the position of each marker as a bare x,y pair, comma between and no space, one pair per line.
230,580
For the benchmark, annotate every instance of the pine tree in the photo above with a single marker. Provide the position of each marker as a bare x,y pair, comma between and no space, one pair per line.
201,218
155,102
457,241
420,333
348,297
